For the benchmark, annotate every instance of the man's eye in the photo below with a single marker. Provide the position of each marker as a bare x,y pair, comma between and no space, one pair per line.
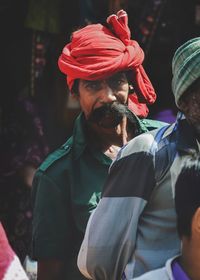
93,85
117,83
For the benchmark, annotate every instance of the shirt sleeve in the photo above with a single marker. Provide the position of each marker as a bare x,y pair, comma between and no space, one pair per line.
52,225
111,233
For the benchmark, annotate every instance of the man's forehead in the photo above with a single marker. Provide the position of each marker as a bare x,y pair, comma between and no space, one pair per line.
109,77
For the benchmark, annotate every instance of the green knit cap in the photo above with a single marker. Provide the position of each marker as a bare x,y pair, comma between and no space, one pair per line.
185,67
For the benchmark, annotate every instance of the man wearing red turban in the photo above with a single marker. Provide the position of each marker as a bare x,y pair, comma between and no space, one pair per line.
104,72
97,52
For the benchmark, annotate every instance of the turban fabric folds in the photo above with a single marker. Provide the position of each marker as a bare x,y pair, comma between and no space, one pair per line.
97,52
185,67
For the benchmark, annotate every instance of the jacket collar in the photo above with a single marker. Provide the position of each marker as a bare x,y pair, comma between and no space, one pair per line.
79,135
80,142
80,138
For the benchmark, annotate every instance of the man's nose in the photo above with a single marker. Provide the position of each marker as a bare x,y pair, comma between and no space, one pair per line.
108,95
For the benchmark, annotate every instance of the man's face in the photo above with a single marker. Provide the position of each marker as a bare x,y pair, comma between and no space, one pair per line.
102,100
190,106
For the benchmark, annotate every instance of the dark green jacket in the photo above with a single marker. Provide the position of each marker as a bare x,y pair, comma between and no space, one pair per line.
66,188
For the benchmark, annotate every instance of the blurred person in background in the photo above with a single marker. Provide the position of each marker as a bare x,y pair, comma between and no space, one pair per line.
23,147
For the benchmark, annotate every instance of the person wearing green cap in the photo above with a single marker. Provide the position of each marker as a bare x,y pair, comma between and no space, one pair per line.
133,229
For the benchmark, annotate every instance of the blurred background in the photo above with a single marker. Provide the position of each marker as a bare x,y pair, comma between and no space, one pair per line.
36,110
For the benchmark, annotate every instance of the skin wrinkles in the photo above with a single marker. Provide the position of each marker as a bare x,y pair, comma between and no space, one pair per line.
96,94
105,106
190,106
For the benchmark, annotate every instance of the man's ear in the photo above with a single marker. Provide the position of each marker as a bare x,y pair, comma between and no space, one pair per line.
73,101
75,97
196,223
183,106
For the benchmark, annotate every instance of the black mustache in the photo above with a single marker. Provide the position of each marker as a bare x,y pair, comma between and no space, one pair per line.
114,110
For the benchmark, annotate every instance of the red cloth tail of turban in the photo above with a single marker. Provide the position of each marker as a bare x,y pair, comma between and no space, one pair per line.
96,52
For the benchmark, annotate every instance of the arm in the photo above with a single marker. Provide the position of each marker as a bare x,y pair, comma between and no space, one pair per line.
52,226
111,233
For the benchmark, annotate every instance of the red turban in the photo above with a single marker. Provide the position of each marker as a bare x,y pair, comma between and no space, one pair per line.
96,52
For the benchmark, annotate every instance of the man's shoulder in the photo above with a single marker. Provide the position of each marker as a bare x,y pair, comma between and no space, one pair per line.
58,158
62,155
153,124
147,143
155,135
141,143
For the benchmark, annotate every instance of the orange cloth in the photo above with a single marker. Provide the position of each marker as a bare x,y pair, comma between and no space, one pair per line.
96,52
